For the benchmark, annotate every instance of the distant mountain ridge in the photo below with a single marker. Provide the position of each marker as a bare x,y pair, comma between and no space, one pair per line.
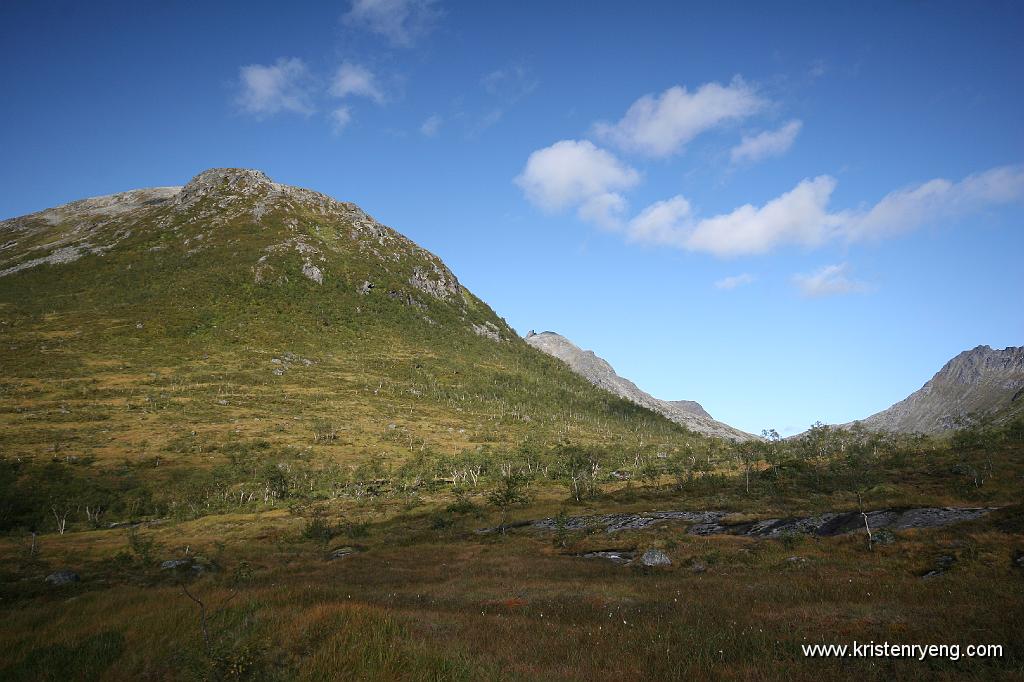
599,372
977,381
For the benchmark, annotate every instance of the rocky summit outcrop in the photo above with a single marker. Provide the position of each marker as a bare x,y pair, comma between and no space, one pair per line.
597,371
977,382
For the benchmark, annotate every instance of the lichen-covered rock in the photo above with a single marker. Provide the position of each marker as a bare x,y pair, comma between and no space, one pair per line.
438,282
313,272
655,557
488,330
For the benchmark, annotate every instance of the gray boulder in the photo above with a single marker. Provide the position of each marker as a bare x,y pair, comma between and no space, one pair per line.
341,553
62,578
655,557
193,565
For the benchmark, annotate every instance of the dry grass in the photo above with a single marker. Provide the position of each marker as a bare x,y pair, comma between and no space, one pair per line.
418,603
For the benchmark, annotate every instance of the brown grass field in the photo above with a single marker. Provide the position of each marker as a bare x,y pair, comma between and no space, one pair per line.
430,600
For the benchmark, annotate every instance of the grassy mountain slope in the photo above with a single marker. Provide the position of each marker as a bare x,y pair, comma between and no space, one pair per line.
152,328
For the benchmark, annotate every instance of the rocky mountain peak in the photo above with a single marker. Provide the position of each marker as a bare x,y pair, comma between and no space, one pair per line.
971,367
981,380
214,180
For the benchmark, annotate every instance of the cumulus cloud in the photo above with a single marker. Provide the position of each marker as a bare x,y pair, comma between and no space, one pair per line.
663,222
284,86
829,281
401,22
431,126
660,125
802,217
577,173
798,216
769,143
729,283
357,81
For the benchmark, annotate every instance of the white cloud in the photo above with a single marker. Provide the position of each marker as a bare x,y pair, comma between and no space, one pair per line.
798,216
606,210
906,209
728,283
663,222
341,117
801,216
769,143
661,125
829,281
400,22
355,80
431,126
282,86
576,173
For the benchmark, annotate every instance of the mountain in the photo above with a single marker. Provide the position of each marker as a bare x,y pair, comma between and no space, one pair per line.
163,325
597,371
980,381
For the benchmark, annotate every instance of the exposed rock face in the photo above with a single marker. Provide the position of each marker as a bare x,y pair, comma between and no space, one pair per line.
598,372
487,330
977,381
717,522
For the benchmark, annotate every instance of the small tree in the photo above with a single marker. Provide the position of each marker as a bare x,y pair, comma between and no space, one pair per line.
61,513
580,469
748,455
772,450
207,611
510,492
974,445
275,482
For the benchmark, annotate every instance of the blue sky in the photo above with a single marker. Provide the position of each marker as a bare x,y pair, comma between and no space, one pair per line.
788,214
